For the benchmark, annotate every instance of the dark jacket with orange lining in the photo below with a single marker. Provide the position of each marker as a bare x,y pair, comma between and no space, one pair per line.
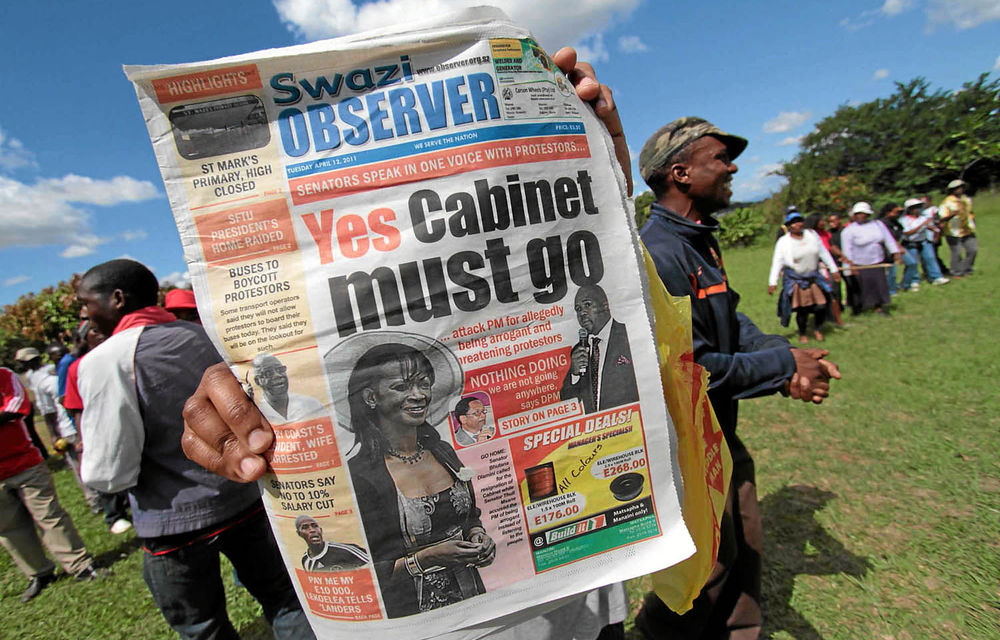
742,361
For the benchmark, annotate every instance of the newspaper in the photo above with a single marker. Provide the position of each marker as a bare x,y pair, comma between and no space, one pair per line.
415,250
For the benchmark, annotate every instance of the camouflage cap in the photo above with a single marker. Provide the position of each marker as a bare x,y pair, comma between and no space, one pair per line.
673,137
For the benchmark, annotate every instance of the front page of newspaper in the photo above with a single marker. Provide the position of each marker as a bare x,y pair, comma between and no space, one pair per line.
414,249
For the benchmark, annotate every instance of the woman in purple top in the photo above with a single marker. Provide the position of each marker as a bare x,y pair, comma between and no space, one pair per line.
865,243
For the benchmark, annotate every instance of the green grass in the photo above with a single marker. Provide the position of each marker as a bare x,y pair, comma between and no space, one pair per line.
881,507
116,608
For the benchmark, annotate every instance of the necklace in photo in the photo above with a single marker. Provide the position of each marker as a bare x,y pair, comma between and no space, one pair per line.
413,458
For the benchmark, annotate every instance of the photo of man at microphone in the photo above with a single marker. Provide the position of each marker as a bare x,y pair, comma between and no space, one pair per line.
601,374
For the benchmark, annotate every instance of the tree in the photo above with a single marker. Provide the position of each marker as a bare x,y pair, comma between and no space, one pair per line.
642,202
36,319
914,141
976,138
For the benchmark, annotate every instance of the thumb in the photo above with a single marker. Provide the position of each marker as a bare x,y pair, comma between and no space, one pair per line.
830,368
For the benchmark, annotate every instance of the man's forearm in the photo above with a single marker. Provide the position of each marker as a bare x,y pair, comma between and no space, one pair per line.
749,375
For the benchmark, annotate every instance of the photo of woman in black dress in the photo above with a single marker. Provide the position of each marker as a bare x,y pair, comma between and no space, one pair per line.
416,499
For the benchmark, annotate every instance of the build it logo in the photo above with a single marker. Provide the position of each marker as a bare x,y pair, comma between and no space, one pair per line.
572,530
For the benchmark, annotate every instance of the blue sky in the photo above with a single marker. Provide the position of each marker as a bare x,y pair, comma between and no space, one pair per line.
79,183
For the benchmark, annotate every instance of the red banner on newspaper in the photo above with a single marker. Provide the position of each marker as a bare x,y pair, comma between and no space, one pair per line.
301,447
340,595
206,83
446,162
250,231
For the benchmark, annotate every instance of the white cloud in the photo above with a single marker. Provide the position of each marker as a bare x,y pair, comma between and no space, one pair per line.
895,7
867,18
133,235
47,212
177,279
10,282
962,14
880,74
996,65
83,245
761,183
13,155
552,23
766,170
790,140
592,49
786,121
631,44
105,193
889,9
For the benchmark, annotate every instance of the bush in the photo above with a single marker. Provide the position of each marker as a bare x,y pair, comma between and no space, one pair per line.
642,202
741,226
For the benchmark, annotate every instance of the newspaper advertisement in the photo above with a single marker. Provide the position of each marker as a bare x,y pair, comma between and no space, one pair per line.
413,247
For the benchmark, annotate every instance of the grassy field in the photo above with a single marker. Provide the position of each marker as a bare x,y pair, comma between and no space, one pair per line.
881,507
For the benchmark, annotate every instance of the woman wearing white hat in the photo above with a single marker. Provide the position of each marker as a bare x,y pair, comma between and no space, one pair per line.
865,244
415,497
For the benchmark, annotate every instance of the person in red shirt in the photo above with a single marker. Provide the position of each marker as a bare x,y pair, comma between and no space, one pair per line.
28,499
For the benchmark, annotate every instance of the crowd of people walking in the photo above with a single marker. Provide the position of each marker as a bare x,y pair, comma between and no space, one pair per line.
815,254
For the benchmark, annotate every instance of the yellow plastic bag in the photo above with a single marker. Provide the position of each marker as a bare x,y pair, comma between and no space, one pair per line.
705,462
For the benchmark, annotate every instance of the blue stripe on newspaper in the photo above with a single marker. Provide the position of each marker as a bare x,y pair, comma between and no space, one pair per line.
458,139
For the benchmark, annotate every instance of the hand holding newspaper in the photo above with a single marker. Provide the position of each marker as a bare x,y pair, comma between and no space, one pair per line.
397,239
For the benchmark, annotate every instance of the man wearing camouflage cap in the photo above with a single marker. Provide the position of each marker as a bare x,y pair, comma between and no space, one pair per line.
689,166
